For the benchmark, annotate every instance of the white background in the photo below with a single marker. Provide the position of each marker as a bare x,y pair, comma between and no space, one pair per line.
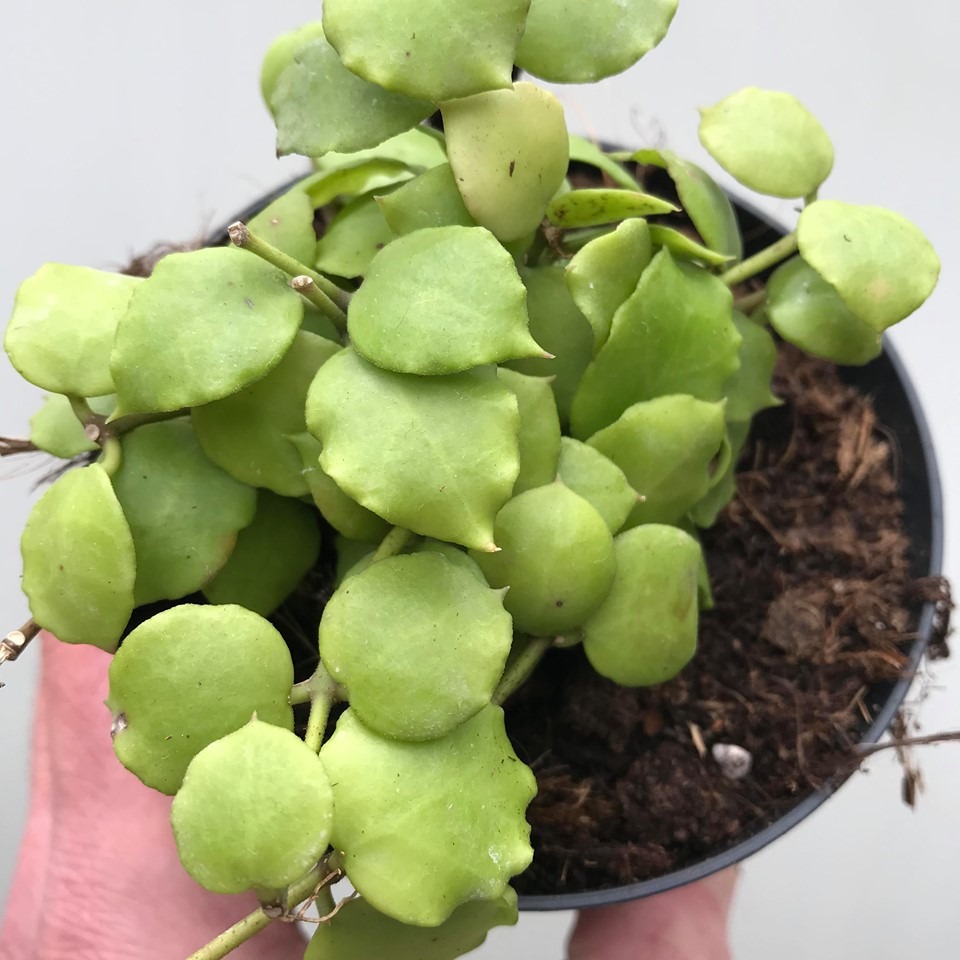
125,123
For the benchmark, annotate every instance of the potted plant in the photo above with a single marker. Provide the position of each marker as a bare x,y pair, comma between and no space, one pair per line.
513,429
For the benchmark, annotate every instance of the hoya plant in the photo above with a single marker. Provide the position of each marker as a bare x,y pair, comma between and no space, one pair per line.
491,405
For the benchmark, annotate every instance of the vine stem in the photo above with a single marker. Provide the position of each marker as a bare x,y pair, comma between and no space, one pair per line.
393,543
10,446
333,301
112,458
772,255
751,301
521,668
16,641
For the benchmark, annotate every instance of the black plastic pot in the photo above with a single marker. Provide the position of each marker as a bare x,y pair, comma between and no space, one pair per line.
899,411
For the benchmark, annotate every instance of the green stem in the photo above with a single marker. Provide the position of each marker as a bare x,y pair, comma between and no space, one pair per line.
254,922
750,301
783,248
130,421
393,543
81,410
521,668
337,299
112,457
319,714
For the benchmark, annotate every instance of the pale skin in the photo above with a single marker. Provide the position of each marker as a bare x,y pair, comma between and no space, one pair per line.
98,876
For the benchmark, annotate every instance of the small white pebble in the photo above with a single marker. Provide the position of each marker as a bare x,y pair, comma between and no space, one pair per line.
734,762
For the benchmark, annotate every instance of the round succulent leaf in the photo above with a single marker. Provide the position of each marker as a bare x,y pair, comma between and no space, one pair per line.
440,301
437,455
456,555
319,105
558,325
556,556
599,205
684,247
675,334
367,176
807,312
354,237
667,448
184,511
345,515
539,429
603,274
425,827
567,42
62,328
361,932
768,141
287,224
748,390
418,149
248,434
703,200
282,52
646,630
79,563
55,429
189,676
271,556
585,151
255,811
429,200
350,553
432,49
880,264
509,150
705,512
597,479
417,642
206,324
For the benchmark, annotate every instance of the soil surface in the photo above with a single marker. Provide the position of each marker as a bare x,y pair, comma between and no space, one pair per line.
814,604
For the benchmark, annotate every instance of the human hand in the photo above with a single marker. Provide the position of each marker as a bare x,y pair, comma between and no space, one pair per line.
98,877
689,923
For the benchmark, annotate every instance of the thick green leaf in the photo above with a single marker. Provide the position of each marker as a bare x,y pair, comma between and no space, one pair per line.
880,264
646,630
418,149
768,141
675,334
362,933
455,555
189,676
685,248
62,329
556,557
560,327
355,236
346,516
748,390
597,479
319,105
255,811
184,511
606,271
705,512
807,312
367,176
282,53
417,642
438,455
509,151
205,325
582,42
248,434
434,49
585,151
440,301
430,200
667,449
425,827
78,560
55,429
287,224
271,557
703,200
539,429
590,208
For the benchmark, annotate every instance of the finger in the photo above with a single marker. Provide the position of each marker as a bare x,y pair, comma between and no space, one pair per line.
689,923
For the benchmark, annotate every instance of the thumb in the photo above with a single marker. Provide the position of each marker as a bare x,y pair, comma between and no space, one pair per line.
689,923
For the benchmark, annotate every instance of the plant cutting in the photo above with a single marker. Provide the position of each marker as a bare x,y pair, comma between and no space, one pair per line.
481,409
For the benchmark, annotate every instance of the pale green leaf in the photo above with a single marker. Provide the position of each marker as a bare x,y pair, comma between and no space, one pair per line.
748,390
287,224
78,560
455,555
685,248
281,53
215,667
585,151
367,176
592,207
425,827
356,234
437,455
430,200
597,479
418,149
705,512
539,429
55,429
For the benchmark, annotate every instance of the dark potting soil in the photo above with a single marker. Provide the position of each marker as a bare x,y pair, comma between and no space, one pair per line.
814,603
